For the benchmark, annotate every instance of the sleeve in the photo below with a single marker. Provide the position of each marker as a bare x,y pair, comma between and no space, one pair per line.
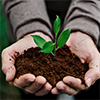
27,16
84,16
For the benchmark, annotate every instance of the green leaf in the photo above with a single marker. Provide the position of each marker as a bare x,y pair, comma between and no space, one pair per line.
39,40
57,24
63,38
48,47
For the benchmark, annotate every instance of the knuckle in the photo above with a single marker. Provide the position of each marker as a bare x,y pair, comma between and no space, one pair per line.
4,52
75,93
46,91
29,91
72,93
3,68
97,73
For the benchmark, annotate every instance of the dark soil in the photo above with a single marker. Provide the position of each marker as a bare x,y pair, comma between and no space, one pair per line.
52,68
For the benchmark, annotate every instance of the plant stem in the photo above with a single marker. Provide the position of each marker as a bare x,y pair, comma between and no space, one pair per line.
55,44
52,53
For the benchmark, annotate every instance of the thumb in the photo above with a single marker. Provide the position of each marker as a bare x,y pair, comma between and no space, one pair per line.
8,65
93,73
10,74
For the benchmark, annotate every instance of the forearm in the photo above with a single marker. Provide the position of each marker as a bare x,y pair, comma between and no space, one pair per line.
27,16
84,16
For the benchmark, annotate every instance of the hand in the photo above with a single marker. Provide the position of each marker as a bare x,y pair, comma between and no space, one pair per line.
83,46
27,82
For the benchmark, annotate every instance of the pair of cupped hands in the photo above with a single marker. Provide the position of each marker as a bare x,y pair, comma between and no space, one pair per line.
79,43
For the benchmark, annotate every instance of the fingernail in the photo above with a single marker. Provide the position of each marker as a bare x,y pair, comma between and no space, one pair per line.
7,74
29,81
89,82
38,85
46,90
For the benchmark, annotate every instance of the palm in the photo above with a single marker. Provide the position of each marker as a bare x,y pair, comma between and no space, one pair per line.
83,46
26,42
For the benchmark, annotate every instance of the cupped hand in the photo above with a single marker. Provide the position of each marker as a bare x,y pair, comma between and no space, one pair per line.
27,82
83,46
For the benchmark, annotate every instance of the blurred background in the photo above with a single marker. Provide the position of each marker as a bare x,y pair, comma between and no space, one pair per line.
7,91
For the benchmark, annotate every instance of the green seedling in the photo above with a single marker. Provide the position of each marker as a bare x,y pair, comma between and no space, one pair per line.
50,47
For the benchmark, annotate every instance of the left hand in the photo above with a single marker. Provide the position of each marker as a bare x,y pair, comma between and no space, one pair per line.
83,46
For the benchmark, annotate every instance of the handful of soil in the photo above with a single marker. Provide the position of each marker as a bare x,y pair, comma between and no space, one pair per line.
53,68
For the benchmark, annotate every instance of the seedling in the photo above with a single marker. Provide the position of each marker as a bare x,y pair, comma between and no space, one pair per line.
50,47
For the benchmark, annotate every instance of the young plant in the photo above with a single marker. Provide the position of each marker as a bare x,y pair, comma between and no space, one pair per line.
49,47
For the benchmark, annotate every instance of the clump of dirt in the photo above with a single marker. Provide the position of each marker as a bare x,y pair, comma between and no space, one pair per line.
53,68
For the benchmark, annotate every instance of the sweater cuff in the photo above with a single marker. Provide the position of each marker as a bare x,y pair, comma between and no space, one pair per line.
33,27
84,25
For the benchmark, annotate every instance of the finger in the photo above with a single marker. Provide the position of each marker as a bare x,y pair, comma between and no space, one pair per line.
55,91
8,65
74,83
63,88
37,85
93,73
91,76
45,90
24,80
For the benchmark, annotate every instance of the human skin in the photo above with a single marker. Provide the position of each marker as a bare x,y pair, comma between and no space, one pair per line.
79,43
83,46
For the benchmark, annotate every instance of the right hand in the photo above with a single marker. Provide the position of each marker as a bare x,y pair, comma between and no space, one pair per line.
28,82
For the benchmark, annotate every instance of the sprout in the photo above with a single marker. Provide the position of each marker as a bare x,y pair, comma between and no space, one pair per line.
49,47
